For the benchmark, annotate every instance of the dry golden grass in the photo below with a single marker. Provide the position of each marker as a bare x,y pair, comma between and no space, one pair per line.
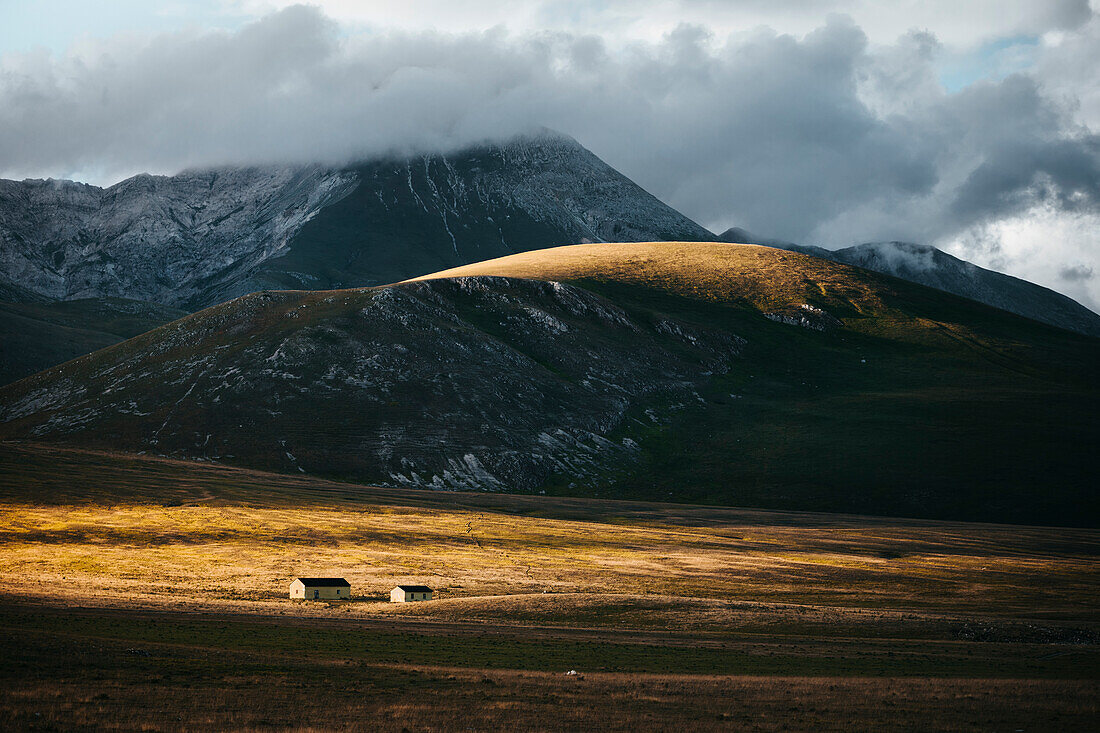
151,594
247,555
747,273
536,559
766,280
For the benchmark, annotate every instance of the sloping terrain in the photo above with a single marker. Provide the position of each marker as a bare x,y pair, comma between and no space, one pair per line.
34,336
203,237
718,373
475,382
162,239
927,265
411,217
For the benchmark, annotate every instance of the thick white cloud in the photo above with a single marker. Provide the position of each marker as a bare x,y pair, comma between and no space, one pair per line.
960,24
1041,244
825,137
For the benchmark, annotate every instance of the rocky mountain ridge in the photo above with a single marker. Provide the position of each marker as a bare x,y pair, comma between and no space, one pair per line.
204,237
155,238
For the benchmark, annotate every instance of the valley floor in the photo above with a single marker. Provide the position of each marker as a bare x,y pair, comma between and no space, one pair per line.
144,593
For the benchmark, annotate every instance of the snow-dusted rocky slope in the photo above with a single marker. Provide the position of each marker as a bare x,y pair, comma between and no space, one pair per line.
927,265
203,237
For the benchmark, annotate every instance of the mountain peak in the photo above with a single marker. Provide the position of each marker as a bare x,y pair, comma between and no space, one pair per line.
738,235
204,236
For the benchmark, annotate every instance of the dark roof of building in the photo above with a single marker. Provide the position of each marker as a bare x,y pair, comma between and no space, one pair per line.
415,588
325,582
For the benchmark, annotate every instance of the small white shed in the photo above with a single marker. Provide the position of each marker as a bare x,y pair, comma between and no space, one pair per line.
408,593
320,589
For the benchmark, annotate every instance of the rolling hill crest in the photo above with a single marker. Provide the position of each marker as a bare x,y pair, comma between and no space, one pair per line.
706,372
927,265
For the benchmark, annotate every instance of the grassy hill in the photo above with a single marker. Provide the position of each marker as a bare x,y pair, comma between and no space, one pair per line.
715,373
37,335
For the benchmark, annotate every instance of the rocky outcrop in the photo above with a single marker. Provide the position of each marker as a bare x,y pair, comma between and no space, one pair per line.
155,238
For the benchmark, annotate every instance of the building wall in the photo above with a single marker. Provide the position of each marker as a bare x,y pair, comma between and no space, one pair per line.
327,593
399,596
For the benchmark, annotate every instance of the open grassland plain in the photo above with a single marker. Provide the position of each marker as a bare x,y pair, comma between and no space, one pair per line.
151,593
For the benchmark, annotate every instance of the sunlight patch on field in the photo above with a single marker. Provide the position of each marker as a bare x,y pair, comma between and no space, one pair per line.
245,556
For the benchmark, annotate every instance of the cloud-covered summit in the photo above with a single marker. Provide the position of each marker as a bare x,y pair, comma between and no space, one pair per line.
823,137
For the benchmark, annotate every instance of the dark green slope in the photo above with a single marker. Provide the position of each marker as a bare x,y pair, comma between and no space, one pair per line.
1003,427
35,336
392,227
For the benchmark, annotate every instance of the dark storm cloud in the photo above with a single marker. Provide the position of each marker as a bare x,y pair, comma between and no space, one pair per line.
1023,155
820,138
1076,273
1016,175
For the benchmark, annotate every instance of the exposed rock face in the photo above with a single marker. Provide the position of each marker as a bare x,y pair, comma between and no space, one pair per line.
488,383
203,237
806,316
168,240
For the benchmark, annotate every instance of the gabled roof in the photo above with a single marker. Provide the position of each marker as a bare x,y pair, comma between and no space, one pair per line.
415,588
325,582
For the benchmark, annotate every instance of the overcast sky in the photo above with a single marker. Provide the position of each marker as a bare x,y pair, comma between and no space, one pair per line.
973,126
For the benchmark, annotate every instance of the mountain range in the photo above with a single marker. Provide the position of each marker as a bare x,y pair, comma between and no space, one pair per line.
173,244
708,372
203,237
181,243
522,317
